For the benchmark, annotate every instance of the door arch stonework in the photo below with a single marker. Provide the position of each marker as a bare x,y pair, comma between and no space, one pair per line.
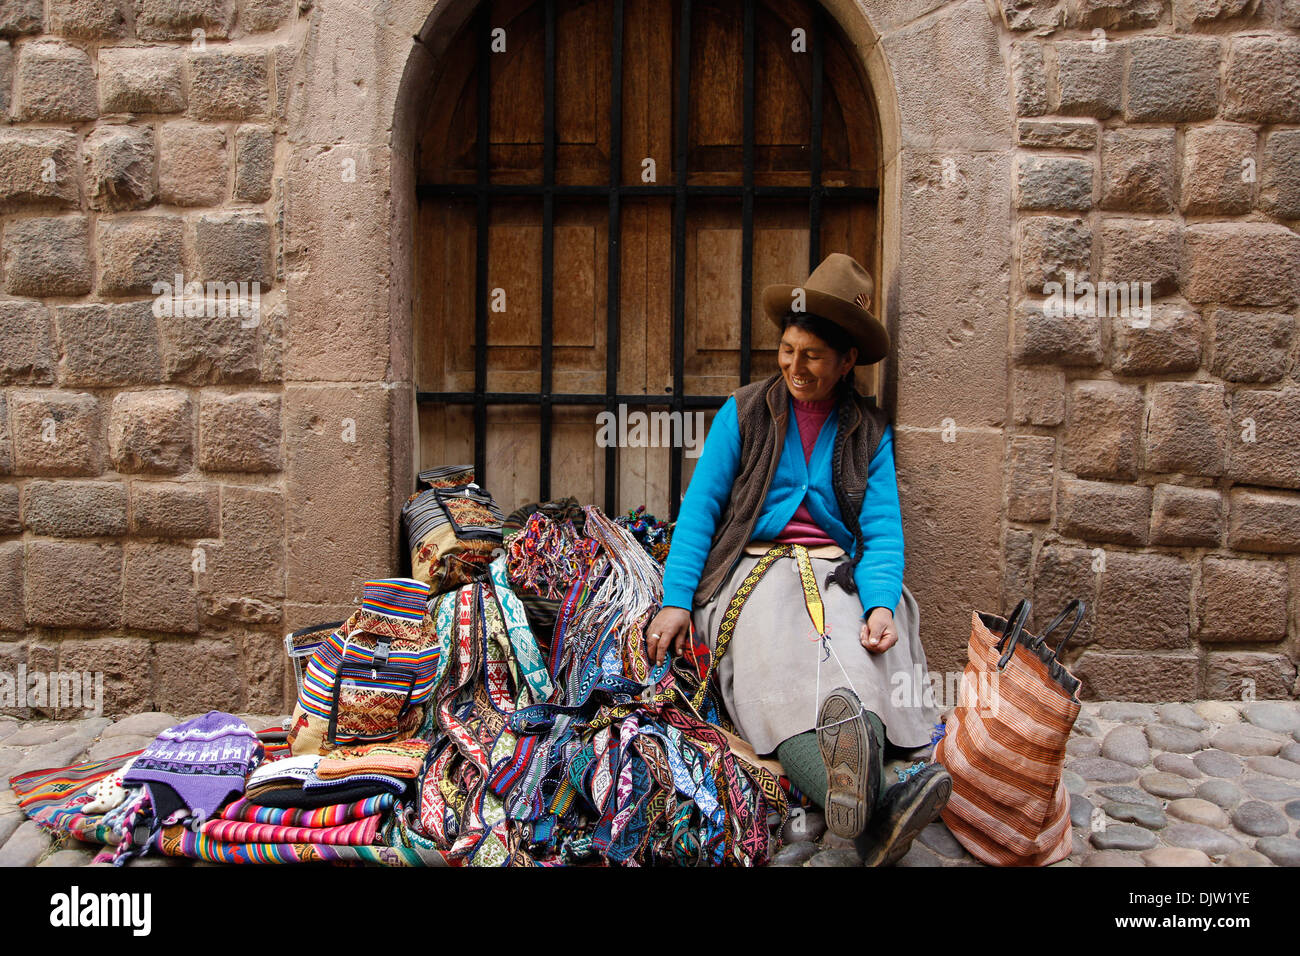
940,80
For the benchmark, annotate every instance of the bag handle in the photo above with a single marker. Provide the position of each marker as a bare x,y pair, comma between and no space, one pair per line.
1078,607
1015,624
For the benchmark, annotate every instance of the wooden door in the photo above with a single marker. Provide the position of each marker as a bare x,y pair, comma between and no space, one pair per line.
595,225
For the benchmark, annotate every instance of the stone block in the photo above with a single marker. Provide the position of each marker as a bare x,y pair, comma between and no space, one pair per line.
1186,517
18,17
1144,601
1241,601
137,251
1063,574
1103,511
1265,444
1137,676
13,616
1018,564
167,510
74,584
960,530
1044,338
1279,184
1053,182
1267,521
1242,264
1030,490
249,560
75,509
1039,15
54,83
229,83
1261,82
1234,675
1172,79
209,349
118,163
1029,74
1101,440
254,163
38,166
10,512
1139,170
106,345
266,686
234,247
1251,346
28,354
141,80
1218,170
152,431
89,19
240,432
191,164
179,19
47,256
1114,14
181,687
1056,134
1089,77
1187,430
338,296
160,594
1051,247
1038,396
1142,251
57,433
1169,342
259,16
1190,13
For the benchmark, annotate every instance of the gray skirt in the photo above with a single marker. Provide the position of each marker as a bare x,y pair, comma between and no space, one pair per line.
775,672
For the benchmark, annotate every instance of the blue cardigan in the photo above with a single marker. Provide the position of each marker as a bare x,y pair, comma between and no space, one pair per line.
879,573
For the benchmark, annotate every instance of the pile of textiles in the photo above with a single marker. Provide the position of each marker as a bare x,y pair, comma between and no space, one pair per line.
549,740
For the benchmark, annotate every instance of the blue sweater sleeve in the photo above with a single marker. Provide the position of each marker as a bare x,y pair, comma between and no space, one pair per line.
879,574
706,497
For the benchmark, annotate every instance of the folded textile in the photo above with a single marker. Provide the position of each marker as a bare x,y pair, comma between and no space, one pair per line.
289,771
203,760
399,758
245,811
180,841
329,792
357,833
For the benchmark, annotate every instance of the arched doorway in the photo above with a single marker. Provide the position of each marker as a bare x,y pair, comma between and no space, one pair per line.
597,208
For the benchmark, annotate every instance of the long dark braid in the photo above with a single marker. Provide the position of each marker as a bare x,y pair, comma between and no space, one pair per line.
843,572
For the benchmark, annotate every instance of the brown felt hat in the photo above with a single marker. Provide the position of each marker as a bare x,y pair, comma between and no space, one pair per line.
838,290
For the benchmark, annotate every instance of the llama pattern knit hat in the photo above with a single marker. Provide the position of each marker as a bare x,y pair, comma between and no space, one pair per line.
203,760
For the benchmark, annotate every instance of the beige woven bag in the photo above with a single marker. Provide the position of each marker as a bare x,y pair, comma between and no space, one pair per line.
1005,743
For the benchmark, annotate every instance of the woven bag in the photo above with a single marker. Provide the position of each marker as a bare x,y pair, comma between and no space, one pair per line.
1005,743
453,529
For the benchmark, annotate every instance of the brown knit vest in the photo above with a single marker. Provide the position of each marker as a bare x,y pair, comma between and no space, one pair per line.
763,412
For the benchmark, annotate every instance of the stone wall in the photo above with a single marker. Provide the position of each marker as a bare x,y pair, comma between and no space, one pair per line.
1153,461
142,503
176,491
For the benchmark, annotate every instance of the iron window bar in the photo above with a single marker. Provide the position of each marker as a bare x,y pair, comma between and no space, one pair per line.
482,191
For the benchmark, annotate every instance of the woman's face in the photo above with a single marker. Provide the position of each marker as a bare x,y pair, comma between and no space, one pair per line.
811,367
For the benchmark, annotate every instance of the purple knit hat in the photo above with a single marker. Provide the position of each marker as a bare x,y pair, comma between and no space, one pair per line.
204,760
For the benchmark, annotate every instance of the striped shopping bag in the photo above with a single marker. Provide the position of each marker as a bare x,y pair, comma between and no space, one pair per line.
1004,743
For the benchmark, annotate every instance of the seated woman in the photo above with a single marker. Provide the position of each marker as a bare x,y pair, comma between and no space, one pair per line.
788,555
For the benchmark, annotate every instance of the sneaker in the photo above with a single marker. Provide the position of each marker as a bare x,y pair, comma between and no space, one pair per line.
849,748
907,809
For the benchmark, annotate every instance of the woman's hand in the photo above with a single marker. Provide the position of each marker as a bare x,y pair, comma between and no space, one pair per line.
670,627
879,632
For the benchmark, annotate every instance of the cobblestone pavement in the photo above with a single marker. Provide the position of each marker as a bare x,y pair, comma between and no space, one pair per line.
1212,783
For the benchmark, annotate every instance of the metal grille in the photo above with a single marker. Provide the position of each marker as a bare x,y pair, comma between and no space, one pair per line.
483,192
